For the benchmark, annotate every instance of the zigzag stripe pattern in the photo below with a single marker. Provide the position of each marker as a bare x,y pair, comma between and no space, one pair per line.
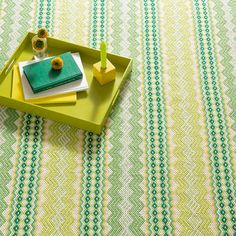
136,152
13,159
223,179
114,178
2,21
231,4
94,150
59,190
114,206
227,57
8,126
6,30
26,13
188,189
14,32
27,175
62,22
164,163
120,190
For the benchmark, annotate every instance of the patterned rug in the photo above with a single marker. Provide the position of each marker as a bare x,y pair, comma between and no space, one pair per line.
165,163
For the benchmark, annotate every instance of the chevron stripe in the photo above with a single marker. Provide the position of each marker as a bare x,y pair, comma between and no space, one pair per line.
108,172
225,37
73,30
25,194
58,195
58,206
7,6
59,190
136,125
231,4
11,33
191,208
69,188
14,35
115,178
223,180
19,25
62,25
123,131
2,15
116,26
164,163
8,127
91,214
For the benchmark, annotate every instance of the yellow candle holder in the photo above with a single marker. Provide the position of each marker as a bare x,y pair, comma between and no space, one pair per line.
104,76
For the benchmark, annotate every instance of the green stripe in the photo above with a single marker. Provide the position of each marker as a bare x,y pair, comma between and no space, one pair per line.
226,60
87,150
220,156
26,17
9,118
232,5
116,26
94,145
25,190
135,198
157,156
114,178
7,29
86,183
13,115
114,206
92,201
99,184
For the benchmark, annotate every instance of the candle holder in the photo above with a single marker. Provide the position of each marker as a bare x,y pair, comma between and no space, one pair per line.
104,71
106,75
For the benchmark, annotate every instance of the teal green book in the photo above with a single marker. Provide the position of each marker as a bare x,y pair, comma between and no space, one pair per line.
41,76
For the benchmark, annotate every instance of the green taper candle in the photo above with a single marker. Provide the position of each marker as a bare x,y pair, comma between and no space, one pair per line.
103,49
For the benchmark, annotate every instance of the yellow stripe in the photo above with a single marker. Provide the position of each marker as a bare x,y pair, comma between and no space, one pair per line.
226,99
14,174
189,159
59,205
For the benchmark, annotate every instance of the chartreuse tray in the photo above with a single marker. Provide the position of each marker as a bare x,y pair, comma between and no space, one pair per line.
92,106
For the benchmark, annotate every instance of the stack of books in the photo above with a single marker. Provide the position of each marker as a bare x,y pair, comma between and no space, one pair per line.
36,82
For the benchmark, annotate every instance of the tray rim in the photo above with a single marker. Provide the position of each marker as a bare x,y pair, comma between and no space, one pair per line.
28,107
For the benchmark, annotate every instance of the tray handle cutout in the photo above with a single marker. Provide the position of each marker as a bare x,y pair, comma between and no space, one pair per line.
9,66
115,98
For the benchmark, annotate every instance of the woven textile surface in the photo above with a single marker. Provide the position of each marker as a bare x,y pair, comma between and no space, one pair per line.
165,162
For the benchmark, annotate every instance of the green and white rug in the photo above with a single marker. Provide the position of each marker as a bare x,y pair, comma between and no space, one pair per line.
165,163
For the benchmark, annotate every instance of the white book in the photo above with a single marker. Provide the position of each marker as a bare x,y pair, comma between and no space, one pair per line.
75,86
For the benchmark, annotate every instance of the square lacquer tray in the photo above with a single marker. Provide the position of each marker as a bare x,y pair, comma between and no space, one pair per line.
92,106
